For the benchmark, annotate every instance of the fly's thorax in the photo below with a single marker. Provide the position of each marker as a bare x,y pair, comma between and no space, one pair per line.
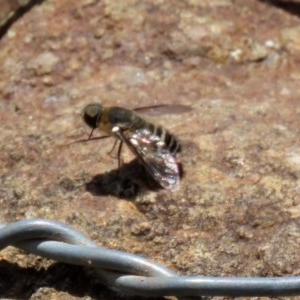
121,117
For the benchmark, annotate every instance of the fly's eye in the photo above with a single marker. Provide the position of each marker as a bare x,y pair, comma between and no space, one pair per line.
92,114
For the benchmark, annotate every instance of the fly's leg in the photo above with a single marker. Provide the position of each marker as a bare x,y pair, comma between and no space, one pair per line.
112,149
120,160
116,130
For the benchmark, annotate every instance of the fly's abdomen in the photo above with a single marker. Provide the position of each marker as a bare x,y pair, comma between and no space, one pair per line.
166,139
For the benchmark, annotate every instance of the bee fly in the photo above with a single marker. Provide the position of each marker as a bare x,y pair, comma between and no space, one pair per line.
155,147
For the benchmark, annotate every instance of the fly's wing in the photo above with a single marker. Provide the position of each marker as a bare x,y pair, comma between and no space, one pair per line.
163,109
159,162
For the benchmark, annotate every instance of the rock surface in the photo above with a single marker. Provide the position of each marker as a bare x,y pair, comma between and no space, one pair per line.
236,63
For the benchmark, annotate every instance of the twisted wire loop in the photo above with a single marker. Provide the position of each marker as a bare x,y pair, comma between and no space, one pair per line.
132,274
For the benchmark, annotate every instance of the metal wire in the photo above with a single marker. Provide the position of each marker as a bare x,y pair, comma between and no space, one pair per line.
132,274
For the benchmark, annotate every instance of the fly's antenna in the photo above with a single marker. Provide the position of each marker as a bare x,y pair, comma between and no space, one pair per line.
88,139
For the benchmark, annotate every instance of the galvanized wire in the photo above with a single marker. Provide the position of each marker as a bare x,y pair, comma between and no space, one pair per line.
132,274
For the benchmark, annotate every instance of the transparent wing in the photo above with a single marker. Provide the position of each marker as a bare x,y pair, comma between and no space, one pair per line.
163,109
157,160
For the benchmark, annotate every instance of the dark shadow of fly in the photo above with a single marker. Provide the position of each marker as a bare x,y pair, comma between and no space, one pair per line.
125,182
292,7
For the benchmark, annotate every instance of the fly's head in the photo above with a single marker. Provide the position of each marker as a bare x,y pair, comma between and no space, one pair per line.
92,114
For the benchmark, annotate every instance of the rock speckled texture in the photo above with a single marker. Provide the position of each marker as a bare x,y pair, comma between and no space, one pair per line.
236,63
